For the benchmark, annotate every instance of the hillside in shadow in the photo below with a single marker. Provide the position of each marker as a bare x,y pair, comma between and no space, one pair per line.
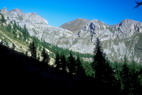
20,72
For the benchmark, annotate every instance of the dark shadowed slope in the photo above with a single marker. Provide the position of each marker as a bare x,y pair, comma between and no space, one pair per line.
22,73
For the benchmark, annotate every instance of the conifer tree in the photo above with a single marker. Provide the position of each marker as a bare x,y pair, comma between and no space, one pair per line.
57,61
32,49
63,63
3,20
99,63
14,25
125,77
25,32
71,64
45,56
104,74
13,46
79,68
9,28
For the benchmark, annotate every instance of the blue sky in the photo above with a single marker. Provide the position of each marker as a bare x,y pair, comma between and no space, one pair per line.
58,12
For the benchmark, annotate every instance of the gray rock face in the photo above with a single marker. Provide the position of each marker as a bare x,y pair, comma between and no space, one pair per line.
123,39
127,28
118,41
38,27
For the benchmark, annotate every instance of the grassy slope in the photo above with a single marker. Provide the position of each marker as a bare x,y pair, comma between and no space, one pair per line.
9,37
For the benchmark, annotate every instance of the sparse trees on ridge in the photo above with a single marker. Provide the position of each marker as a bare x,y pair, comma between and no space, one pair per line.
32,49
45,56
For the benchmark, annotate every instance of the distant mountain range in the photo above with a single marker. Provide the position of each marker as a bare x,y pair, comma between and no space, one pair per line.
118,41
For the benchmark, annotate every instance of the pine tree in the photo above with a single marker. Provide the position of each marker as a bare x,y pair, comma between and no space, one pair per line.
3,20
134,82
125,78
25,32
79,68
45,56
71,64
14,25
9,28
63,63
57,61
104,74
32,49
99,63
129,78
13,46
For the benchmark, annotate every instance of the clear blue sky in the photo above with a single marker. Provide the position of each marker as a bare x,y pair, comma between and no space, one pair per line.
58,12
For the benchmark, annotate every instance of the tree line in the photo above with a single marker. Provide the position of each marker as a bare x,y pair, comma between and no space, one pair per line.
123,78
68,63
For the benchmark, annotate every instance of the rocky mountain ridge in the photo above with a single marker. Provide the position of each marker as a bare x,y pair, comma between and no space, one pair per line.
118,41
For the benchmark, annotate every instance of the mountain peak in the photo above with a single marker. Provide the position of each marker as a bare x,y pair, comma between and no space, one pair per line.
16,10
75,25
94,20
130,24
129,21
82,19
